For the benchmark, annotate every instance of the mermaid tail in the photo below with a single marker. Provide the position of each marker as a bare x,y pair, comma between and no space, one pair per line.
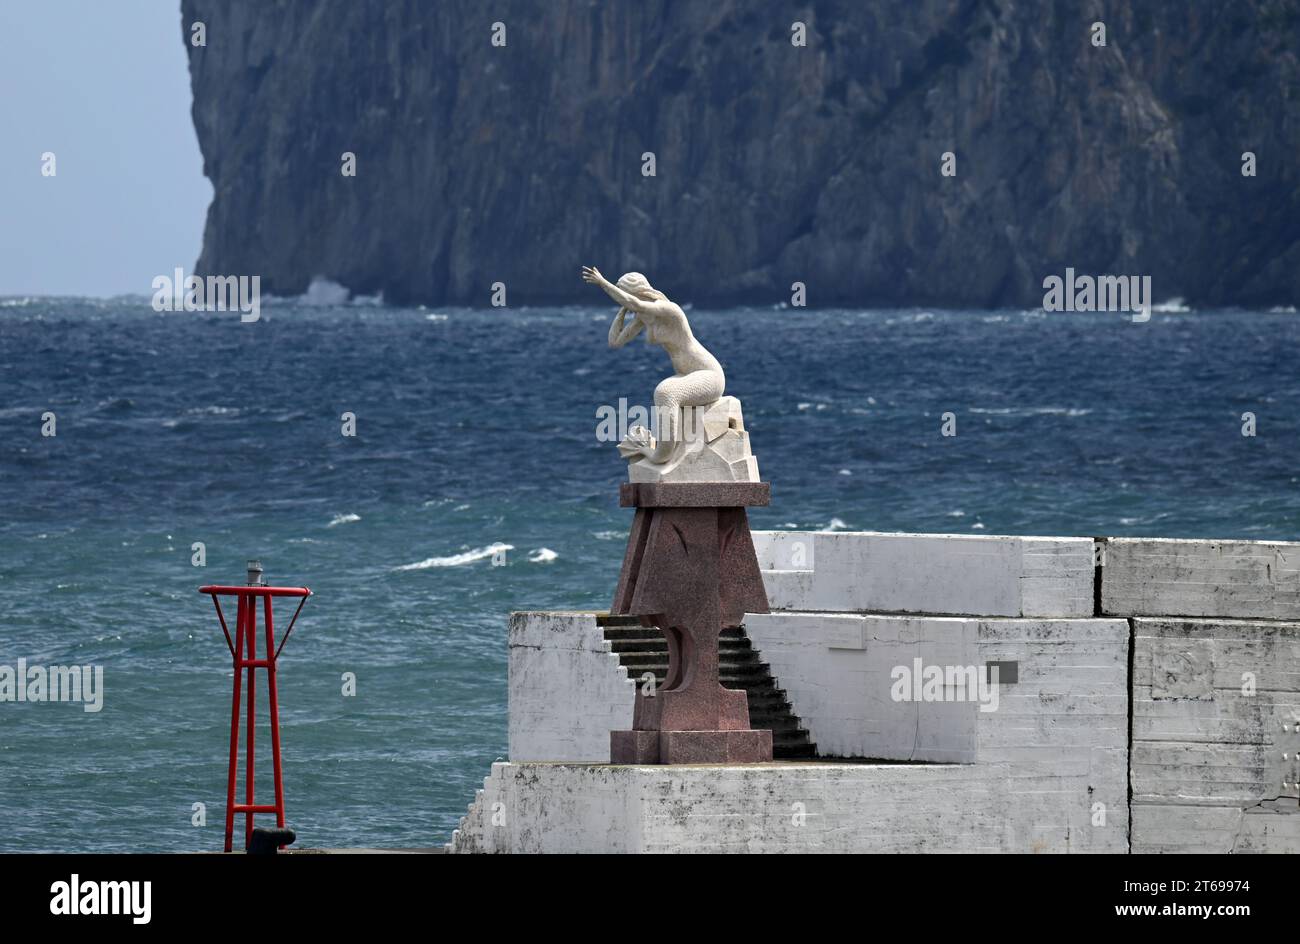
698,388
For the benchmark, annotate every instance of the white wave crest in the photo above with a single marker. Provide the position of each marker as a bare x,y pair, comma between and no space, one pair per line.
324,291
456,560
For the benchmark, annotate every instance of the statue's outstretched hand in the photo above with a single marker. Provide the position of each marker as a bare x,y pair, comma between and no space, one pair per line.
591,275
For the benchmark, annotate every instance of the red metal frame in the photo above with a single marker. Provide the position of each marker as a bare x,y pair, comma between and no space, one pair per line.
246,636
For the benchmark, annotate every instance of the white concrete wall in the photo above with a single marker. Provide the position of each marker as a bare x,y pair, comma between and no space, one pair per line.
1049,771
1214,767
829,808
566,688
1237,579
873,572
837,669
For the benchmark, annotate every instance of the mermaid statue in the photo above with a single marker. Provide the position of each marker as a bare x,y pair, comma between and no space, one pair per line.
701,433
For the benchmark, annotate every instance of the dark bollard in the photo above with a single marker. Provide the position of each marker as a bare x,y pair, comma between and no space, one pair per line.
268,841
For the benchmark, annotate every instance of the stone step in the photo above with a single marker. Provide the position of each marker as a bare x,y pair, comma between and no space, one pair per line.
754,686
762,698
750,681
735,670
659,644
641,654
607,622
772,711
786,741
661,652
632,627
642,662
638,645
642,650
794,752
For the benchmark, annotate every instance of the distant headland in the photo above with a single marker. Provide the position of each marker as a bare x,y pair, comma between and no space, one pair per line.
950,154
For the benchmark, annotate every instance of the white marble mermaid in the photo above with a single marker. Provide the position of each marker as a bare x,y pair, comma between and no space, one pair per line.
697,379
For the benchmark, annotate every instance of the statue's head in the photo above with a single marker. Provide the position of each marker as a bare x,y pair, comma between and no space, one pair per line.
634,283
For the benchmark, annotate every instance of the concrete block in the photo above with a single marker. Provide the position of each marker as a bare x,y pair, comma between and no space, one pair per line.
829,808
1216,727
1172,827
566,688
927,573
1232,579
839,671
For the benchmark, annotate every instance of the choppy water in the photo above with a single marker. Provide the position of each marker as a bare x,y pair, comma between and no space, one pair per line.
477,428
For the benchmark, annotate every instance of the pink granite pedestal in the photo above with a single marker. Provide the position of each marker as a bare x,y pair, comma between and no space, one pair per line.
690,569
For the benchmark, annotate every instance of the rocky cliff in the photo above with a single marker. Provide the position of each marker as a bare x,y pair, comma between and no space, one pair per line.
479,163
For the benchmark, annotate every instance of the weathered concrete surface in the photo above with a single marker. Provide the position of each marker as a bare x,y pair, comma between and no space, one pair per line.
795,807
1045,771
1070,693
567,690
1216,710
876,572
1215,705
1237,579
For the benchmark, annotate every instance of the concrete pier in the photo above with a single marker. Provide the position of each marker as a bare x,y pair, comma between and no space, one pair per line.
1147,700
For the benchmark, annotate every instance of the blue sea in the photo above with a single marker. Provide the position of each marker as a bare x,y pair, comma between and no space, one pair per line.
477,429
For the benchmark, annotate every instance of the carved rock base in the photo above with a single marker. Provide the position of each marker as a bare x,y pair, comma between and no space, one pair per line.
714,447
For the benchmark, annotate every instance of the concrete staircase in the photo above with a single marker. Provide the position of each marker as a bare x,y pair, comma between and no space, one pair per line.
641,649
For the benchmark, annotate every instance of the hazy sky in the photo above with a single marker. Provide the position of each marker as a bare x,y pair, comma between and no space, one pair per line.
105,85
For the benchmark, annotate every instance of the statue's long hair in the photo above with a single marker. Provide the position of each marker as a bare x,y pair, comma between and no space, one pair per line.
634,283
